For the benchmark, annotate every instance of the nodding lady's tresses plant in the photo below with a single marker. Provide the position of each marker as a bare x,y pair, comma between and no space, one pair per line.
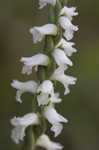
50,66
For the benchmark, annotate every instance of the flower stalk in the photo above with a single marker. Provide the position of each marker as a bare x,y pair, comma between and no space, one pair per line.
29,141
50,67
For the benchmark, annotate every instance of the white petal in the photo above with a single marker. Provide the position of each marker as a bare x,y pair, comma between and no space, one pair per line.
46,87
57,128
69,12
43,99
55,98
45,142
43,3
61,58
29,86
67,46
59,75
40,32
34,61
68,27
21,123
18,134
52,116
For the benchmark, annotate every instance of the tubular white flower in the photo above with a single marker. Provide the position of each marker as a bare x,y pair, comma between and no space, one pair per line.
29,86
68,27
54,118
43,3
46,87
21,123
61,58
62,78
44,99
34,61
67,46
45,142
40,32
47,94
69,12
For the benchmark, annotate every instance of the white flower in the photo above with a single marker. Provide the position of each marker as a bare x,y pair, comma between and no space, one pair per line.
68,27
62,78
67,46
47,94
61,58
44,98
34,61
69,12
29,86
54,118
46,87
45,142
21,123
43,3
40,32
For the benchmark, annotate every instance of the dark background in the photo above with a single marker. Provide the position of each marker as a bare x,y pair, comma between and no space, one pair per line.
81,106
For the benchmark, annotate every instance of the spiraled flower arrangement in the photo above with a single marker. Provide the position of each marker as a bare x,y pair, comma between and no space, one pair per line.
50,66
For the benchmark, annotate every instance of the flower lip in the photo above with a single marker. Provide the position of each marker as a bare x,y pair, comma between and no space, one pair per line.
45,142
68,12
40,32
61,58
20,124
29,86
66,46
68,27
66,80
34,61
54,118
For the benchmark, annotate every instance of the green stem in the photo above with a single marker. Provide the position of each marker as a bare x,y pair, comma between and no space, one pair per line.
64,2
29,141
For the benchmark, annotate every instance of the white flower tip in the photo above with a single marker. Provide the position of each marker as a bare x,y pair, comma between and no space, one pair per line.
31,30
61,58
76,28
15,83
45,142
67,91
18,100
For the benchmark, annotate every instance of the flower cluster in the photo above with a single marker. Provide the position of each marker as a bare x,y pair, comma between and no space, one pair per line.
44,90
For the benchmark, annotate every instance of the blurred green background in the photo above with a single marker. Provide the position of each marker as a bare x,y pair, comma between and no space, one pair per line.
81,106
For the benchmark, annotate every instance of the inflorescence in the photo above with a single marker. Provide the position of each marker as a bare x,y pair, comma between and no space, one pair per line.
50,66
